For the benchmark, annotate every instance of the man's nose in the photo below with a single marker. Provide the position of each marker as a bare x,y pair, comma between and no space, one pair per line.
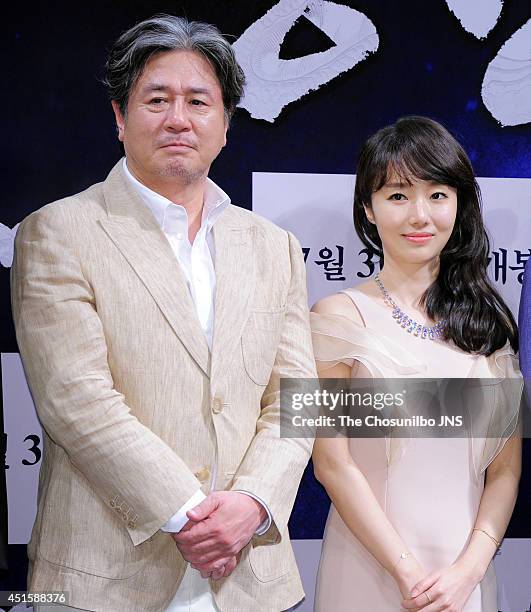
177,117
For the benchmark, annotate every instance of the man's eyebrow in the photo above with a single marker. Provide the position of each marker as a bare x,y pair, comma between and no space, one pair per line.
155,87
151,87
200,90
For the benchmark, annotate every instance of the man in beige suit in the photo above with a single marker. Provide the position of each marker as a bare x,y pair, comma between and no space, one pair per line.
155,320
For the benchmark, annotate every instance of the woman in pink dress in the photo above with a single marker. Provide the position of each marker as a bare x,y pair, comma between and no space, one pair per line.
415,522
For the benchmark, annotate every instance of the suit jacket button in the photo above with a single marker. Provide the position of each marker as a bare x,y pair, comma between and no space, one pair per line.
203,474
217,406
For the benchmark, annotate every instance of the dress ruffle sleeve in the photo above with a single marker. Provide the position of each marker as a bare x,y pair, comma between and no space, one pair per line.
338,339
500,406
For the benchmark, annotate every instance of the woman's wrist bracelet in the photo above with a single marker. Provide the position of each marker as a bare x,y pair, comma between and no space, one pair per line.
403,555
498,544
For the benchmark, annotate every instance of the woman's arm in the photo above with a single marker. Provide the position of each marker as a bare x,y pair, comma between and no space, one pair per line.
362,514
453,585
496,507
347,487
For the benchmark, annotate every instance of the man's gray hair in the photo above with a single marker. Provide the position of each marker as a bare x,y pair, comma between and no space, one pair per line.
161,33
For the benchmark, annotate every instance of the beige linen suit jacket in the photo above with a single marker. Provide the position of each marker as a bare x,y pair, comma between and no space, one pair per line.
133,403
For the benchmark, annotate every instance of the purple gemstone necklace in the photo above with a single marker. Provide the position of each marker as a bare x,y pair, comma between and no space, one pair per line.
405,321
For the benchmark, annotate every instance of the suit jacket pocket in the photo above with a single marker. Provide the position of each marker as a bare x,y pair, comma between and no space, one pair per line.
271,561
260,340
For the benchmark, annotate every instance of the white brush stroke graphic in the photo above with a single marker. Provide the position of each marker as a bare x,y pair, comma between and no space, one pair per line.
272,83
476,17
506,89
7,243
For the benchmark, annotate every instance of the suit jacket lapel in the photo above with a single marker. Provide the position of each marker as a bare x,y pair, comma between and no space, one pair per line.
235,280
135,232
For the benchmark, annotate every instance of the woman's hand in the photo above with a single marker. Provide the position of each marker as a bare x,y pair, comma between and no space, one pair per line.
407,573
447,589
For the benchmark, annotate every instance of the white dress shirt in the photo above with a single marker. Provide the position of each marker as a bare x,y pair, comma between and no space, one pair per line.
196,261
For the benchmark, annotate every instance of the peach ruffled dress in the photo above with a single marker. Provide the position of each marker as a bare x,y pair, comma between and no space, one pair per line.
430,489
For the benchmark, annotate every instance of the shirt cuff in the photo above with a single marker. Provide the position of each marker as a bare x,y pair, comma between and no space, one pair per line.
179,519
267,522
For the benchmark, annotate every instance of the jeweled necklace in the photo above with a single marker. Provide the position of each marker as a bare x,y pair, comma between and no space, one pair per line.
404,320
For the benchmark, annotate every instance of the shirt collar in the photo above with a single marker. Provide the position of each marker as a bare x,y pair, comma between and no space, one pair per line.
215,201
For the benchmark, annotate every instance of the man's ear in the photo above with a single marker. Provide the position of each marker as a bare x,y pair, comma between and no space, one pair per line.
226,130
369,213
120,121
